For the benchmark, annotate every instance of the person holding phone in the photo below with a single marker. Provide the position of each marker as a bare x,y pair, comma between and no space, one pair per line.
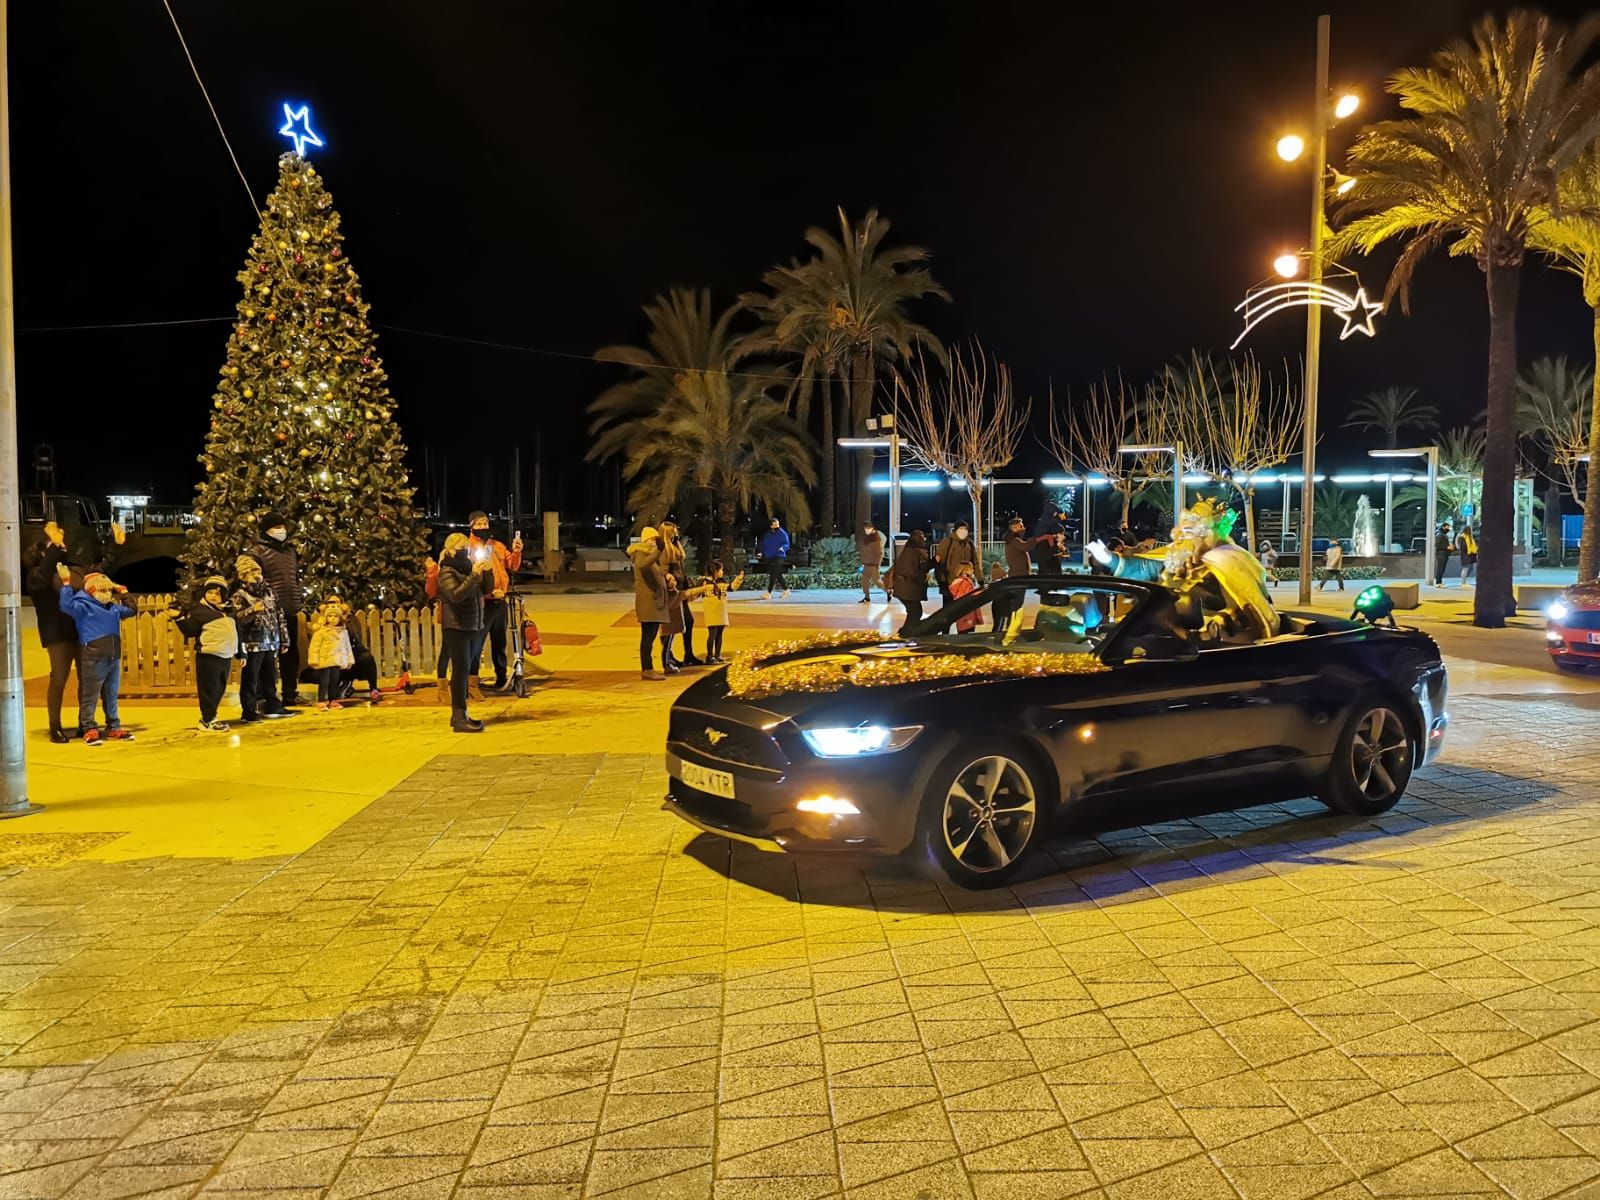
502,562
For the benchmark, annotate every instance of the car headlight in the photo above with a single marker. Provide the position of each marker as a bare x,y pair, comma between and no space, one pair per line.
1559,610
857,741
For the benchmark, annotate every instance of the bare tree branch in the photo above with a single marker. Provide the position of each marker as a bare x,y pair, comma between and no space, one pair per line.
965,423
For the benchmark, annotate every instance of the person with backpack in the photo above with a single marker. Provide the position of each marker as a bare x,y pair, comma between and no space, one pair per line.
216,636
1467,548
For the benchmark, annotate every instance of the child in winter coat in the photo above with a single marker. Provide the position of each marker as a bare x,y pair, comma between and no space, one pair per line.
216,636
964,583
330,651
715,588
263,631
99,618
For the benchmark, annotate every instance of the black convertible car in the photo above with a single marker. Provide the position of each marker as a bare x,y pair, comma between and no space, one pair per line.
960,743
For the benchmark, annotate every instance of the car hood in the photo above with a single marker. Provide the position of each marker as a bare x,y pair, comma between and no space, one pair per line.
1584,595
790,678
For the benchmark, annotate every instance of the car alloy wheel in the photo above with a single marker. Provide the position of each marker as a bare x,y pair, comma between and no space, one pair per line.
989,814
1380,756
1372,761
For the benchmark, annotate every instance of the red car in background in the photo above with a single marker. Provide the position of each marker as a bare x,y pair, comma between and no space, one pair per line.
1573,633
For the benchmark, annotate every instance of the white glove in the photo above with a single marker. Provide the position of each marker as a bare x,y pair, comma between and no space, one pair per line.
1098,549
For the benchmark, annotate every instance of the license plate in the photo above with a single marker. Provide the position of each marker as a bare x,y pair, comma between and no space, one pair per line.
1594,639
704,779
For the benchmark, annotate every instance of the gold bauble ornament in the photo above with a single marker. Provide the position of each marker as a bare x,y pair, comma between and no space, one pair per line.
249,393
283,245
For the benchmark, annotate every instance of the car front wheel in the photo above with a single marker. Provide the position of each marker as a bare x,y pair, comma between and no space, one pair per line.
1372,762
981,817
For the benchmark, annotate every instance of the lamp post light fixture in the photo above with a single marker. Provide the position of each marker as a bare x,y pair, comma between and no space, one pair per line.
1176,450
1325,109
1431,453
1287,265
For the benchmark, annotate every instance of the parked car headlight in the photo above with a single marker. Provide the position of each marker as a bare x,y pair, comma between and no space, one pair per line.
857,741
1558,610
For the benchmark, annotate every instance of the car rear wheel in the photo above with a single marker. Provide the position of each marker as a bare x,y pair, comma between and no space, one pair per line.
981,816
1372,761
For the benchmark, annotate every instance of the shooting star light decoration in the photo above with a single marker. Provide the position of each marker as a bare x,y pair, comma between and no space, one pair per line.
1262,302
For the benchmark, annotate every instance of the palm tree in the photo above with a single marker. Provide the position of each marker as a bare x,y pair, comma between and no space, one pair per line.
796,317
1571,239
859,289
1391,410
686,334
1460,476
1555,405
1495,123
728,437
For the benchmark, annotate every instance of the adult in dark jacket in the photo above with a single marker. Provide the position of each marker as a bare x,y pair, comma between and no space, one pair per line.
281,569
1049,543
909,577
58,633
674,562
462,586
952,554
1018,547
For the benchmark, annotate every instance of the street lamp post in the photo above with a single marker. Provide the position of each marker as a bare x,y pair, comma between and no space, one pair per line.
1176,450
890,442
1319,142
1431,453
13,766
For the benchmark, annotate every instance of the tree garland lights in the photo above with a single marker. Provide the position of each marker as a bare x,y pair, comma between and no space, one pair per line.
750,677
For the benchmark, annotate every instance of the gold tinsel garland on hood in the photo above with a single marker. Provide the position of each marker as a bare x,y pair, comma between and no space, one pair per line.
750,679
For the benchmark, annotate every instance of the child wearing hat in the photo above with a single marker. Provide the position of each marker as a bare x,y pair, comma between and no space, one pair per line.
216,636
99,619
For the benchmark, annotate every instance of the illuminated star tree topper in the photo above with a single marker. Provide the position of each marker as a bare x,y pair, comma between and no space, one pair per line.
297,127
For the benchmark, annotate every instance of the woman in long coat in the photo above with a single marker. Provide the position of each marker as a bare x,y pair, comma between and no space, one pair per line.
910,575
649,595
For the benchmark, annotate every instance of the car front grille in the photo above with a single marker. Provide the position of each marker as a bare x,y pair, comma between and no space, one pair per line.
1583,618
719,738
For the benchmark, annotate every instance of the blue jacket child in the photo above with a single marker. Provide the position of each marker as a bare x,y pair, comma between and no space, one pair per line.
99,619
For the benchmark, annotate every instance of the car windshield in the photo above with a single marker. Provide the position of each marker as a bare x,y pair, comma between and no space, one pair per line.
1064,614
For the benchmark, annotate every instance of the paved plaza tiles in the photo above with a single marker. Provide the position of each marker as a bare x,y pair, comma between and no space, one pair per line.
353,956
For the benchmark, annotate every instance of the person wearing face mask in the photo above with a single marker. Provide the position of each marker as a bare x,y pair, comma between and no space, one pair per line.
502,562
281,570
955,552
463,583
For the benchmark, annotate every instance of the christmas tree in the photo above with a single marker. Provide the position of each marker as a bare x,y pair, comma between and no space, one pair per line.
302,423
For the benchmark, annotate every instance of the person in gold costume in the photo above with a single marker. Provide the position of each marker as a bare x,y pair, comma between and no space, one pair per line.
1227,579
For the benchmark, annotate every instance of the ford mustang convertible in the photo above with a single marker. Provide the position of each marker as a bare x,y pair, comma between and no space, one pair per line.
961,739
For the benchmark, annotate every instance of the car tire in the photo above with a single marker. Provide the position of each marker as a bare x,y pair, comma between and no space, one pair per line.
1372,760
1566,664
982,814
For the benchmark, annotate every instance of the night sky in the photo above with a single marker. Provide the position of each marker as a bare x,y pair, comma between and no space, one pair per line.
1097,193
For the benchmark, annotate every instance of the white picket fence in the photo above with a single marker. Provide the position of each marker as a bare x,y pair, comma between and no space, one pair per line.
157,660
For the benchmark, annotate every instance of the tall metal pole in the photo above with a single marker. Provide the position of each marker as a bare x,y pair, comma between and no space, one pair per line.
1319,161
13,762
1388,511
894,487
1178,496
1433,512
